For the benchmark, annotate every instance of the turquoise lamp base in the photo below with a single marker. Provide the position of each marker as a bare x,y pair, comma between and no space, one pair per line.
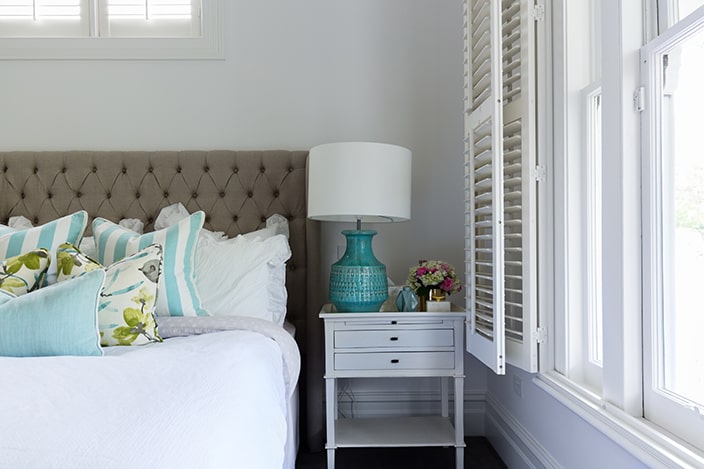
358,280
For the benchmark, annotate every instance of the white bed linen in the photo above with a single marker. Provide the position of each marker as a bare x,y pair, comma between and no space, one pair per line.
217,400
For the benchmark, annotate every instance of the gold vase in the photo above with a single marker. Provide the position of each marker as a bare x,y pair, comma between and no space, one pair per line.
434,294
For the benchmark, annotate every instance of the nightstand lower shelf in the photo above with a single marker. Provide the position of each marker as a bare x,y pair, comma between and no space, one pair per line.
391,432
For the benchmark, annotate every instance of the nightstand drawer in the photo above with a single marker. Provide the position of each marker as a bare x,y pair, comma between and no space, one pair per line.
394,338
394,361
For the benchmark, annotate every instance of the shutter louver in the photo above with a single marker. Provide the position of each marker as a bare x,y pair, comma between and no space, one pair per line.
501,196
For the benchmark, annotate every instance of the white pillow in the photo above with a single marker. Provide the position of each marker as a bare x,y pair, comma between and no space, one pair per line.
174,213
244,276
19,223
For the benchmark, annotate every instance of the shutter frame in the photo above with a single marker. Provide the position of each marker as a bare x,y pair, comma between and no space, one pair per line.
514,200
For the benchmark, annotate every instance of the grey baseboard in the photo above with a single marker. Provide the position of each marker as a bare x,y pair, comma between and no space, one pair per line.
512,441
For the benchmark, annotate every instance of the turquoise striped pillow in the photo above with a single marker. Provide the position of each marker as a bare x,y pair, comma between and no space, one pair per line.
68,229
177,293
53,320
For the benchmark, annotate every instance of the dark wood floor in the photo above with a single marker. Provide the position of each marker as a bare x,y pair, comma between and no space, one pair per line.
478,454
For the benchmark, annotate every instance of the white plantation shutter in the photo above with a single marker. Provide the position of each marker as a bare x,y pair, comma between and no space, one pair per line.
103,18
44,18
501,183
150,18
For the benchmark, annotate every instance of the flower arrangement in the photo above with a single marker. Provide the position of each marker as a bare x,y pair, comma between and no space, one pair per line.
428,275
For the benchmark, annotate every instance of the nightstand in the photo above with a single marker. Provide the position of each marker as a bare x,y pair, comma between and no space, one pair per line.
395,345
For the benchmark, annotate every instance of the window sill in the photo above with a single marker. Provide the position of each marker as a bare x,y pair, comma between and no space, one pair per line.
644,440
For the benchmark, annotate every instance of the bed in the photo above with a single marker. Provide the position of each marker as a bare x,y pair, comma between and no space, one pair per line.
223,390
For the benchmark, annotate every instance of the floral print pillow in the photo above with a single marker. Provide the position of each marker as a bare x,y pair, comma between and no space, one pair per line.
24,273
128,299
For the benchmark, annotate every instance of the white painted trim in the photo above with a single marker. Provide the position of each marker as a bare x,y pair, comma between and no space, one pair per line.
643,440
516,445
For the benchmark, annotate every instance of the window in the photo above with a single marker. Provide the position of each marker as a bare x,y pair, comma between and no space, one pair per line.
626,227
76,29
637,201
673,228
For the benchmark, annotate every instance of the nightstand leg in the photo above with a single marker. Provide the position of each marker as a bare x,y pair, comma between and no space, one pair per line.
331,459
330,417
459,423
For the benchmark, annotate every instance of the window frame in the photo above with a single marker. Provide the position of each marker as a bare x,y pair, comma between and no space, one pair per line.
661,406
209,45
617,411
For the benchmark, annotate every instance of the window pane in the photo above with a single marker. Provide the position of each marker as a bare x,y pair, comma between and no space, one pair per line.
685,7
682,355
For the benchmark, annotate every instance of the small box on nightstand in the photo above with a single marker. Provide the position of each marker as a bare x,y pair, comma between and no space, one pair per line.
438,306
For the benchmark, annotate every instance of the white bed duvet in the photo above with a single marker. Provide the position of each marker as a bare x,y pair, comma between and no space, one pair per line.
216,400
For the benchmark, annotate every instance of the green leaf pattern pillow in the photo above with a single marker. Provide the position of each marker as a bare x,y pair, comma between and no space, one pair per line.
128,300
24,273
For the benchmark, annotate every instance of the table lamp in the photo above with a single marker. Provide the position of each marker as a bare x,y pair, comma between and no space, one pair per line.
356,182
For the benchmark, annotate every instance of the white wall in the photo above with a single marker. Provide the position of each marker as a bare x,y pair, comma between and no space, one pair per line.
296,74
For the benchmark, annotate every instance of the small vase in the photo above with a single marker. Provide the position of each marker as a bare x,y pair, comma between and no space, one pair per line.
436,294
406,300
433,294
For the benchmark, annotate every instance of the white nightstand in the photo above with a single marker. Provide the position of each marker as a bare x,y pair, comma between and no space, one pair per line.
393,344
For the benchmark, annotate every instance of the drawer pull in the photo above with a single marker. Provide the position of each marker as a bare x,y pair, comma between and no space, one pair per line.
394,322
393,339
394,360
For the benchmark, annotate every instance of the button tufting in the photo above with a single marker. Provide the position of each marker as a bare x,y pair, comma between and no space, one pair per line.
48,195
222,194
166,194
124,170
235,170
262,170
63,170
276,193
207,219
22,195
95,170
35,221
178,170
150,220
206,169
250,194
235,218
194,195
138,195
36,170
263,219
108,195
79,195
290,170
151,170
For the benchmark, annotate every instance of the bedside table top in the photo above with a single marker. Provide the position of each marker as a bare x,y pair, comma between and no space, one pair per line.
327,312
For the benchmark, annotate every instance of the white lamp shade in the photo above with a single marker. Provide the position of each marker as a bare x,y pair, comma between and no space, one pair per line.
364,181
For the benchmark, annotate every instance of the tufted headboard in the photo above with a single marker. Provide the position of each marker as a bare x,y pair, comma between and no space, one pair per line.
237,190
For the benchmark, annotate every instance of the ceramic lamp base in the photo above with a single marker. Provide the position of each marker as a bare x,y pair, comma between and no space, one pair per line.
358,280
